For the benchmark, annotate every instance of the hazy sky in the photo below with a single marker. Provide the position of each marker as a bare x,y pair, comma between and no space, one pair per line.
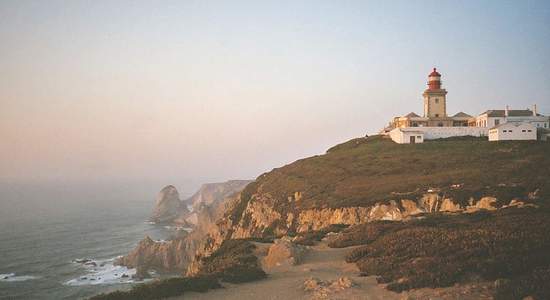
214,90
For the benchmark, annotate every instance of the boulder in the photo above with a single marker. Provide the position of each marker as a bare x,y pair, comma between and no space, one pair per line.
283,252
324,289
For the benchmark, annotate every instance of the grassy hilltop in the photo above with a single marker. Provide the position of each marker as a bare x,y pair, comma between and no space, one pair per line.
509,247
364,171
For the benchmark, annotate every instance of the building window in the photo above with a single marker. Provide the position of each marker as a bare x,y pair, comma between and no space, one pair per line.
523,130
439,124
436,100
504,131
419,137
529,130
497,122
414,124
509,130
436,115
545,125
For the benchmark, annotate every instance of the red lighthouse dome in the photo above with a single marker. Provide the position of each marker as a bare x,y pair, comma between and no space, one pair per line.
434,80
435,73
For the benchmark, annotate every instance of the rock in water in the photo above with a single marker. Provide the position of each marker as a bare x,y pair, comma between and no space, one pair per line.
168,205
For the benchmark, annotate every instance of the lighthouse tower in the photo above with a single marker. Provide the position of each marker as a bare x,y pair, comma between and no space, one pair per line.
435,102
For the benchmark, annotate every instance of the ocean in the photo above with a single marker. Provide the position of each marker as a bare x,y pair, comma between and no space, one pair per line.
58,241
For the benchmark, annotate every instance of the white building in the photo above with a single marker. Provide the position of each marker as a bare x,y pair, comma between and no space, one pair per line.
493,117
414,135
513,131
407,135
436,124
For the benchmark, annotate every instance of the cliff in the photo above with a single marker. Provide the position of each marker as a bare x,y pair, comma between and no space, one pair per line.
370,179
174,256
165,256
209,195
488,200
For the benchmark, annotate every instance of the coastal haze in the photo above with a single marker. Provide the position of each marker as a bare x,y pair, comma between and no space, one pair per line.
104,103
208,91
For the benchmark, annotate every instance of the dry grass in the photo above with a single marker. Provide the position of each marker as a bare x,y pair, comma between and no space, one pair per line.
442,250
364,171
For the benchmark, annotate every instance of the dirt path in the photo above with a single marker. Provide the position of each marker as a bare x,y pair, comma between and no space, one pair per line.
287,282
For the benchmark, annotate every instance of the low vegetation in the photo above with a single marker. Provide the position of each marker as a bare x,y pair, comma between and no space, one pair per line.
364,171
511,246
162,289
233,262
311,237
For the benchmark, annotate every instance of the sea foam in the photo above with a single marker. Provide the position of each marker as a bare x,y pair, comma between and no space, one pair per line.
11,277
103,272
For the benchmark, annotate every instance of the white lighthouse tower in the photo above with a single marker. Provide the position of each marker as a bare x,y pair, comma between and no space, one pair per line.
435,102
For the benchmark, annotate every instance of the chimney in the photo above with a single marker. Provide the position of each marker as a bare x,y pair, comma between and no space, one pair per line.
506,111
534,110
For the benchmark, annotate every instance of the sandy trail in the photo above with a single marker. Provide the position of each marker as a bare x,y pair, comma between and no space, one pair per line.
287,282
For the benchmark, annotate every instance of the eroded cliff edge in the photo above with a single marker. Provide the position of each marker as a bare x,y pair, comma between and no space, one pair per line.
432,187
361,181
372,179
174,255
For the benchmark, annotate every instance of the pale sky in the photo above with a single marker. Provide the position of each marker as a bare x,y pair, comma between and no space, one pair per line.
214,90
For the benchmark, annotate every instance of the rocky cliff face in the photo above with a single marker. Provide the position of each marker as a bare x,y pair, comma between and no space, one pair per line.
209,195
168,206
371,179
162,256
261,216
261,219
174,256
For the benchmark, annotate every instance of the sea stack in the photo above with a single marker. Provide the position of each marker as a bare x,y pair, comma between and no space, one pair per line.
167,205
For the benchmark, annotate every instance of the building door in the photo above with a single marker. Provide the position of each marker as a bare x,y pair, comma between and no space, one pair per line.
412,139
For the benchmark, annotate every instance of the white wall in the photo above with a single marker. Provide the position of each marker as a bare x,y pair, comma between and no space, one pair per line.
485,121
510,131
541,122
431,133
538,121
402,135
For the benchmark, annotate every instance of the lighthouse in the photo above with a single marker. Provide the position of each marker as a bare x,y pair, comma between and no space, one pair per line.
435,102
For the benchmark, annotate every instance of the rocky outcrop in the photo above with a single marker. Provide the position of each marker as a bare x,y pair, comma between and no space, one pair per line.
261,219
315,219
174,256
168,206
211,193
326,289
162,256
262,216
283,252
